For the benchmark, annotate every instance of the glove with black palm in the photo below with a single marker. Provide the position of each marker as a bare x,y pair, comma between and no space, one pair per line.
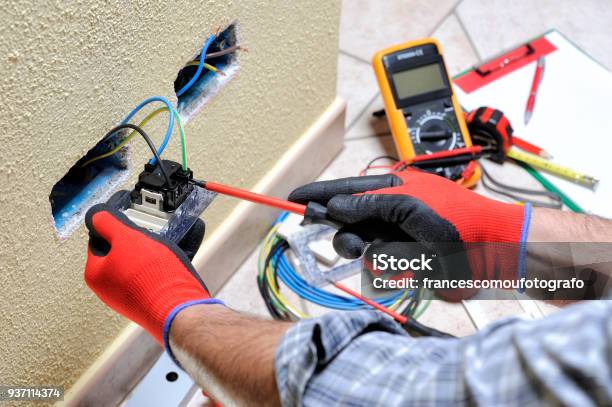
416,206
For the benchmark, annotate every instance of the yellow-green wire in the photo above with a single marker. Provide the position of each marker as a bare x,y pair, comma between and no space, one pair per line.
423,306
141,124
183,142
268,275
207,66
267,244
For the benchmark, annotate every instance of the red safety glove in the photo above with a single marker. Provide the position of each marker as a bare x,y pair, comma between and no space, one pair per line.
416,206
140,275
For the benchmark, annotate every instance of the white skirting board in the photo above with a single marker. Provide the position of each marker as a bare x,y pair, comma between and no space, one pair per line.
126,361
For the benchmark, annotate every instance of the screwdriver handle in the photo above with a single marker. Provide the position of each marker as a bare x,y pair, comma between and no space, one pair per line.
317,214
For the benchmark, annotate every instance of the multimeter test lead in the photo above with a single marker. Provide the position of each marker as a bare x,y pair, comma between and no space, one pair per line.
442,158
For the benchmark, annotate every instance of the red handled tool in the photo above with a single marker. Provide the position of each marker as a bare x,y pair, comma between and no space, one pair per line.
397,316
312,213
254,197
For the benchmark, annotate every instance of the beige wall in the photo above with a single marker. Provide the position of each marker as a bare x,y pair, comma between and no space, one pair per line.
69,71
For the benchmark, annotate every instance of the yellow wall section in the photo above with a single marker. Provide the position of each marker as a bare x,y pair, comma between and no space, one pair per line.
69,71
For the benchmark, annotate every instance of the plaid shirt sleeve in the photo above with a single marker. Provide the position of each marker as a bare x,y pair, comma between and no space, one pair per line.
363,358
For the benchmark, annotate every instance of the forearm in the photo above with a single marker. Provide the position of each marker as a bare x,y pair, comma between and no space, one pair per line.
564,245
230,355
552,225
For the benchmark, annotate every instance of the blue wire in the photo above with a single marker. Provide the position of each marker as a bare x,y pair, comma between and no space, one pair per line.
323,297
283,215
297,284
316,295
292,274
145,102
300,285
195,77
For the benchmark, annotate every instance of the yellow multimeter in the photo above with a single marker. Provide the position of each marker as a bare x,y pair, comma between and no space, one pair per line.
421,108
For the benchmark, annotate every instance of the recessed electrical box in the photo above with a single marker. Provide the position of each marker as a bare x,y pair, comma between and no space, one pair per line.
209,82
87,183
91,181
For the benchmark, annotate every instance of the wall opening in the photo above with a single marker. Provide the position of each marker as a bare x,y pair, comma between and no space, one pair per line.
89,181
222,55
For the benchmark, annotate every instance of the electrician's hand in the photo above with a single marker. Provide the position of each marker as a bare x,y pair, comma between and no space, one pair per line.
190,243
416,206
140,275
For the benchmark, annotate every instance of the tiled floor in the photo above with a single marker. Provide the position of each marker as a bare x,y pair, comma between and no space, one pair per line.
469,31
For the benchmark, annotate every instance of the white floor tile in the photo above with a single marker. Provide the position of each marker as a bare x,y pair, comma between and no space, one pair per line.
367,26
240,292
366,125
356,84
448,317
356,155
456,47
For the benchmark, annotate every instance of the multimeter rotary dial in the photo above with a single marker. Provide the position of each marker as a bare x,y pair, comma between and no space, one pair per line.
434,130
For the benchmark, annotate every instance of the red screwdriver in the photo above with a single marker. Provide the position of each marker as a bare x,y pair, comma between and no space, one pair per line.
312,213
317,213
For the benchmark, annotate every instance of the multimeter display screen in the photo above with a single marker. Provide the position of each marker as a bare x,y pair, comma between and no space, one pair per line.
417,81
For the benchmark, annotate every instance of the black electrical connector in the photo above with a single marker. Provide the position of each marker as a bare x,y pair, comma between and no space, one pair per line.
172,191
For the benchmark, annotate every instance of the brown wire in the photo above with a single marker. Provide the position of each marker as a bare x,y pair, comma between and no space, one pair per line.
223,52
